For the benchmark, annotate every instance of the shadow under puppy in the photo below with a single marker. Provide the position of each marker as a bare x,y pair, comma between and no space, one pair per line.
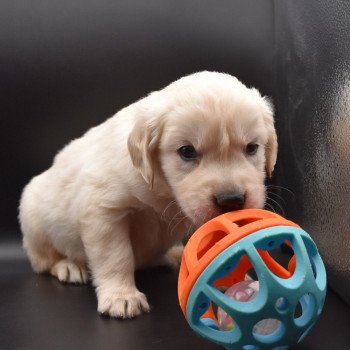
119,197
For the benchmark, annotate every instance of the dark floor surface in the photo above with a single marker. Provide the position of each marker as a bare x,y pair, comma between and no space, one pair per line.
37,312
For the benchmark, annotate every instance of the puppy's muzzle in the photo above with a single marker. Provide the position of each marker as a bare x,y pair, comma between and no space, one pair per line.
231,201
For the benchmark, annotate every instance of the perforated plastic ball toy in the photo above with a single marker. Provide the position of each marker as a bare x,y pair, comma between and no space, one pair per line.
274,311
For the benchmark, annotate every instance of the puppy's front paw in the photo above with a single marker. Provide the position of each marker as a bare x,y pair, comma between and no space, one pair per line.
172,257
122,304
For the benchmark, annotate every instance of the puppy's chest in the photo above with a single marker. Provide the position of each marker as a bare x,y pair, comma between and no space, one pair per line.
161,223
152,233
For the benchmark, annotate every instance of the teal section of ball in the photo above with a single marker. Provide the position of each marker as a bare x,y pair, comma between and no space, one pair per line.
277,298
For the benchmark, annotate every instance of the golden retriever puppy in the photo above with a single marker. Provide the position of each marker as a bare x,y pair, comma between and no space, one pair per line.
119,197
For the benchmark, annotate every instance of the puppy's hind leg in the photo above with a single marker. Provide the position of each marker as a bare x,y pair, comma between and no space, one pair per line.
45,258
42,255
68,271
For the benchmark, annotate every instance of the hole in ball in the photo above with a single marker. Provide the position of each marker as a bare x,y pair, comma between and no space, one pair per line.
269,330
203,306
282,305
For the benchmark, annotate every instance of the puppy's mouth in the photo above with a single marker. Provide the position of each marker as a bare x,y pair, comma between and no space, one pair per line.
210,211
205,214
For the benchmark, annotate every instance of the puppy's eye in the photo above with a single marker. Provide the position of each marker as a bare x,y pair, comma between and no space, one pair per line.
251,149
187,153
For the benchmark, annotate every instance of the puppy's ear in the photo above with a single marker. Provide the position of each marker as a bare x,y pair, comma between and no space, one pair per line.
271,146
143,145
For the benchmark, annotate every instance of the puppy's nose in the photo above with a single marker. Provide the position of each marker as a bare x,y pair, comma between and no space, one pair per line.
230,201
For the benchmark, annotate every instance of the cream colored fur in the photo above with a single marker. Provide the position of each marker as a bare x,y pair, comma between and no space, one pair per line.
119,197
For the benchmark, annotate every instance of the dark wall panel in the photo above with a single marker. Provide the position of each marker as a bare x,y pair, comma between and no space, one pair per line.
313,104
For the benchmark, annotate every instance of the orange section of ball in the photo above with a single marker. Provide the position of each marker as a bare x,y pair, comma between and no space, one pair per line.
218,234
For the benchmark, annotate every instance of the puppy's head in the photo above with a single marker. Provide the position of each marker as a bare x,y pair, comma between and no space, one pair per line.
211,139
